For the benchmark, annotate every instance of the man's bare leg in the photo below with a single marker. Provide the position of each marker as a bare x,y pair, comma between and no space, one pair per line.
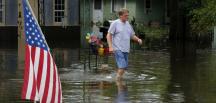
120,73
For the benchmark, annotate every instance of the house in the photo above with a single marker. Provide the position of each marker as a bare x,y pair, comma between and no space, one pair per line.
59,20
149,12
8,22
67,21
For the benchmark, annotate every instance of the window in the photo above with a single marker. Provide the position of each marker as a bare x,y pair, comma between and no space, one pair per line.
148,6
97,4
1,11
59,11
168,8
118,4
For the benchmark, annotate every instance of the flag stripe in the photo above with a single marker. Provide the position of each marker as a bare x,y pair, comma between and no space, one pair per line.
54,84
36,96
57,87
36,61
33,93
43,78
26,73
49,97
44,98
40,68
31,76
33,54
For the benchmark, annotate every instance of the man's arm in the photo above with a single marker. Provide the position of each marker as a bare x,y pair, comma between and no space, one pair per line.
135,38
109,41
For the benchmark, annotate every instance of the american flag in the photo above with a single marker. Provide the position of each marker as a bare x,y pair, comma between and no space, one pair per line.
41,80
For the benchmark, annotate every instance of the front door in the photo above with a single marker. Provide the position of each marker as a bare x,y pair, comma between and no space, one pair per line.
97,15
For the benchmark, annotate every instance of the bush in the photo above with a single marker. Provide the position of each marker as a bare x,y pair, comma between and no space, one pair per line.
152,35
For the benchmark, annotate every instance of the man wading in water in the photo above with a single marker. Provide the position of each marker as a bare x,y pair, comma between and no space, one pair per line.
118,38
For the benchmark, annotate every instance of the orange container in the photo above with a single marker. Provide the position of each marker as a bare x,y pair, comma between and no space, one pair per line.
101,51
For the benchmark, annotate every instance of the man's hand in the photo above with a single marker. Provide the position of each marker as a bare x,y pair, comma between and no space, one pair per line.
136,39
109,41
139,41
111,50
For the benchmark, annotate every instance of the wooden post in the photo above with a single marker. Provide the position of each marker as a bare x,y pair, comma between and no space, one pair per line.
21,37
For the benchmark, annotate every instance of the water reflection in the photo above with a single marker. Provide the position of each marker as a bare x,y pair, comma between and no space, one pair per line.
8,62
192,75
64,57
10,77
182,70
122,95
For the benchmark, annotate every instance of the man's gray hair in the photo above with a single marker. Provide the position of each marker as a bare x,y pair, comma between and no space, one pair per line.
122,11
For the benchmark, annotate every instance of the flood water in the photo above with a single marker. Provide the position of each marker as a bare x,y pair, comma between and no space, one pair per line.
154,76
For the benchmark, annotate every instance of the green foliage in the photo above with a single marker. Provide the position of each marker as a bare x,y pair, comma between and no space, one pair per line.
154,36
113,16
152,32
203,15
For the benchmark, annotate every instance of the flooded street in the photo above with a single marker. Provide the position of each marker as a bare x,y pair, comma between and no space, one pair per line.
153,77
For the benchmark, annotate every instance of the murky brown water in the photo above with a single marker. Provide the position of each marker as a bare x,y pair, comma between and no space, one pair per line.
153,77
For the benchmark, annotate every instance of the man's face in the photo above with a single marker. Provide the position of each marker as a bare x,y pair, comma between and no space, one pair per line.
124,17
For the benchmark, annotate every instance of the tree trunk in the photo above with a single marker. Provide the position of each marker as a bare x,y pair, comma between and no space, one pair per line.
178,21
180,37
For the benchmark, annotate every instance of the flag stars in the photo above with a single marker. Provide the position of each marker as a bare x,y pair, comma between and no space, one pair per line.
38,43
30,29
36,38
34,35
27,24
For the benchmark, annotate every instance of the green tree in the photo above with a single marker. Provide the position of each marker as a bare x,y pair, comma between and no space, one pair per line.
202,15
